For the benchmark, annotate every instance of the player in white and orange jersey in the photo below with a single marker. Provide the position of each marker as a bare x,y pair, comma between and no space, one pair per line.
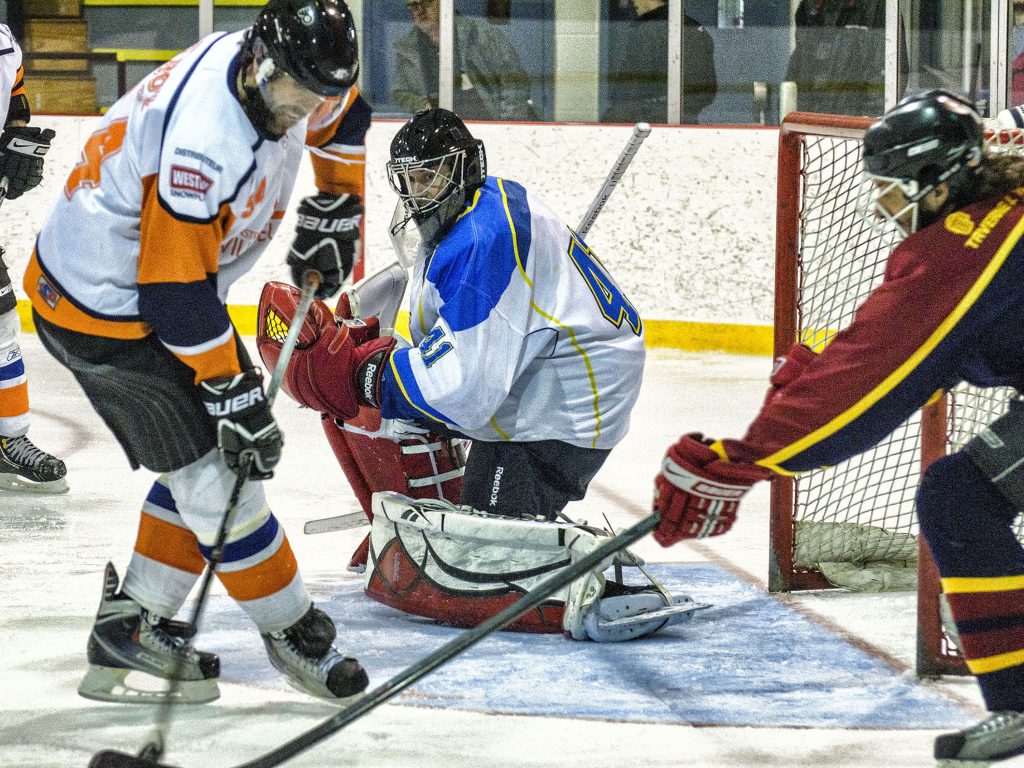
23,467
177,194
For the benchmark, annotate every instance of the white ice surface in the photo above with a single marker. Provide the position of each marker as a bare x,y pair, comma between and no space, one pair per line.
52,550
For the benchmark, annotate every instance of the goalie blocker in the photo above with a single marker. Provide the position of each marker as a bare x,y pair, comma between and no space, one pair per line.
462,566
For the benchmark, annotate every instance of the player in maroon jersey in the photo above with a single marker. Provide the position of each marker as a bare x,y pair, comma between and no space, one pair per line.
950,309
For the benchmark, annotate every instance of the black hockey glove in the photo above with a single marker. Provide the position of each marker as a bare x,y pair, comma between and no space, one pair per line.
244,423
326,238
21,158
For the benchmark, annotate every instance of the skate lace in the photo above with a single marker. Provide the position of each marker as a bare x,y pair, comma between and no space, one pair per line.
21,450
166,642
999,721
297,657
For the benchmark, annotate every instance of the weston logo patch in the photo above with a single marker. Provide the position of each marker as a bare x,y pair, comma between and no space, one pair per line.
189,180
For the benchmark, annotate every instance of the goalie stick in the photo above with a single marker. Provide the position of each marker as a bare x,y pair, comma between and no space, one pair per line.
640,132
344,522
153,750
422,668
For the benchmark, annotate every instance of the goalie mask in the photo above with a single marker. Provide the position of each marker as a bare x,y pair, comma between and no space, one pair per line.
926,140
313,42
436,165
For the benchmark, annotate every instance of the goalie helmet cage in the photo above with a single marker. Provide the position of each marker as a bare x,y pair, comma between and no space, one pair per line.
858,514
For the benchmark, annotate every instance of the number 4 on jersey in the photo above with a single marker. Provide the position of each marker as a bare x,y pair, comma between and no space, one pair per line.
98,148
614,306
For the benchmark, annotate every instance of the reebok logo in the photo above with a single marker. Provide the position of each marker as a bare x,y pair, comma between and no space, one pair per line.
369,375
496,485
236,404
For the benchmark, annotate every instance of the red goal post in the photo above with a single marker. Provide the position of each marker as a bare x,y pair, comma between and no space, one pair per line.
853,525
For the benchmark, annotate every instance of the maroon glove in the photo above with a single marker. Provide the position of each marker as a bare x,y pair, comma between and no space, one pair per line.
697,493
334,369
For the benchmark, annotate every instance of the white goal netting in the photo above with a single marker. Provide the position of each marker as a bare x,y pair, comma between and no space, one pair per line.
855,522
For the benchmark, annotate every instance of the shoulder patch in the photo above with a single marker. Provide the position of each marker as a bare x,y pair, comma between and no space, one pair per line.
189,182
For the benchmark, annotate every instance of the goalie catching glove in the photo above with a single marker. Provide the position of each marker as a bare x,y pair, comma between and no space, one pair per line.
245,426
335,369
21,158
326,238
697,492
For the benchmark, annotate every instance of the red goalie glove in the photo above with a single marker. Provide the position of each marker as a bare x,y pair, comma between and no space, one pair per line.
697,493
330,370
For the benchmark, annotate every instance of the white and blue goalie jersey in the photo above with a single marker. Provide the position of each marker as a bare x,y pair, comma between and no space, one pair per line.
520,333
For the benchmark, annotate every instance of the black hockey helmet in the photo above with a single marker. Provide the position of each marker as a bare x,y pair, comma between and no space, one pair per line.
436,165
927,139
314,41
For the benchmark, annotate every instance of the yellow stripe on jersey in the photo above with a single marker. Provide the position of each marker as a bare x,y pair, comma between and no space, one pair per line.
995,663
896,377
501,433
551,318
956,585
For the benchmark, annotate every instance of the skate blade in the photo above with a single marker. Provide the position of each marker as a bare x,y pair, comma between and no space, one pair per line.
963,764
111,684
17,483
676,612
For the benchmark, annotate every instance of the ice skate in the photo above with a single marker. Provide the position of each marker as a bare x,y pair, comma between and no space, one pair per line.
304,653
998,737
23,467
127,638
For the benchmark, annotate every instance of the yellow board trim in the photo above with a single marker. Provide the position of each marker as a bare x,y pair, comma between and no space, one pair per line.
959,585
995,663
140,54
669,334
901,373
188,3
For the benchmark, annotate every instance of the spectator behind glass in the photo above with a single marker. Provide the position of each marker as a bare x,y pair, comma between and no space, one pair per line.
638,76
838,63
490,83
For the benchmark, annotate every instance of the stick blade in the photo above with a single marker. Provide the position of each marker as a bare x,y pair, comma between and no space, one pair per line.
109,758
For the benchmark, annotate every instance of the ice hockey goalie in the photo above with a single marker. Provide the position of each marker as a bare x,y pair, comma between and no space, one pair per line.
425,554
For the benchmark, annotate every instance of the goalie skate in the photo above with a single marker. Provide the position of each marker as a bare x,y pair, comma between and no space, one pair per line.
305,654
998,737
23,467
627,617
127,639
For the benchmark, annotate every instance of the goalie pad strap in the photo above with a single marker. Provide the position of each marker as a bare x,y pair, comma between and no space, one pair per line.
378,464
443,477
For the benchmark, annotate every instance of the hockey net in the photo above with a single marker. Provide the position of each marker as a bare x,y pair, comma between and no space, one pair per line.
853,525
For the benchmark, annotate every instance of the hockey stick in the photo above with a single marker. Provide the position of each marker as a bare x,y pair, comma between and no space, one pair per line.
640,132
153,750
422,668
336,523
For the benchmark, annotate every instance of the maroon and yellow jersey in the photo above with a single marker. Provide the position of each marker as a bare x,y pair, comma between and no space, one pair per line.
950,309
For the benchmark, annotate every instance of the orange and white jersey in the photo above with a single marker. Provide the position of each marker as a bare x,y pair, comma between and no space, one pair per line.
12,74
176,195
